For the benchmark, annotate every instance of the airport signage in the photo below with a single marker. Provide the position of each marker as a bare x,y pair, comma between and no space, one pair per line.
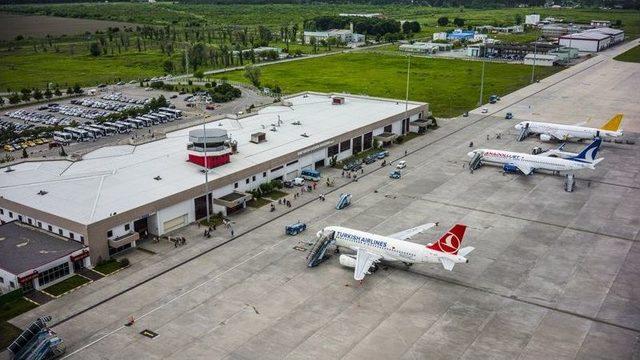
27,278
82,255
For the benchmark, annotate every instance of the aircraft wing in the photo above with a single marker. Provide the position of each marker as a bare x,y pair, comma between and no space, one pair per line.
409,233
524,167
364,260
558,135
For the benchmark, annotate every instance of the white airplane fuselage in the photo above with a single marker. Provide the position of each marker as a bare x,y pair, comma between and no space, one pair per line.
389,248
502,157
567,132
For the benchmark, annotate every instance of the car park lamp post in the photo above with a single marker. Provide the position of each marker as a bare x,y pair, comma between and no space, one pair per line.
481,83
535,56
406,99
206,160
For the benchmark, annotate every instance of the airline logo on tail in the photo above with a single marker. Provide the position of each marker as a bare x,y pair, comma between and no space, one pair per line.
589,153
450,242
613,124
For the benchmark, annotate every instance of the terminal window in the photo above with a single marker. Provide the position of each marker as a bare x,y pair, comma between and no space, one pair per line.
235,186
110,233
60,231
50,228
53,274
127,227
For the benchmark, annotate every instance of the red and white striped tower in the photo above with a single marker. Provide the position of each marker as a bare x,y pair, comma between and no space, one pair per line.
209,148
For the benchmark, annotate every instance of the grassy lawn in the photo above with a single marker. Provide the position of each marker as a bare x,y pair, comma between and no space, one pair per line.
108,266
8,310
632,55
276,194
256,203
66,285
38,69
449,86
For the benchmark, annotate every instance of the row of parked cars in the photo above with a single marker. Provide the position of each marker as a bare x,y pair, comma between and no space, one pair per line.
355,166
91,132
105,104
118,96
19,145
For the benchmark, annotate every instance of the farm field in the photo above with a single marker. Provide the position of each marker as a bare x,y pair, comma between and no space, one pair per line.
449,86
41,26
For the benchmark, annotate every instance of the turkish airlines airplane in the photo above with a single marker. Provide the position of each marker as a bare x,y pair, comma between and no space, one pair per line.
513,162
372,248
550,131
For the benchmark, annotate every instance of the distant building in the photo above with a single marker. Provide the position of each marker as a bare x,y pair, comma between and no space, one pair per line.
540,59
589,41
440,36
600,23
459,34
501,29
425,48
476,50
617,35
344,35
366,15
532,19
480,37
554,31
565,54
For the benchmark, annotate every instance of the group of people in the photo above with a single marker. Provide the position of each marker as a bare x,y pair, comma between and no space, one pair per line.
178,241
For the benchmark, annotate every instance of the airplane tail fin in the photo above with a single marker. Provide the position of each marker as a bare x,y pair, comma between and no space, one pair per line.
613,124
450,242
588,154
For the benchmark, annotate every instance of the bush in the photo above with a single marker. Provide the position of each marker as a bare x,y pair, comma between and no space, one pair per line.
399,139
124,262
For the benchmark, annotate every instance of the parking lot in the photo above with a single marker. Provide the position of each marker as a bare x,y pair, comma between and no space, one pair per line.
82,111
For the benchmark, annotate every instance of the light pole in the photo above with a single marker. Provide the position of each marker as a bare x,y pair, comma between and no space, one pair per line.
406,98
535,55
481,84
206,161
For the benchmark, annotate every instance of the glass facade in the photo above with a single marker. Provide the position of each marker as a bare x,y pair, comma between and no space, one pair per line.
53,274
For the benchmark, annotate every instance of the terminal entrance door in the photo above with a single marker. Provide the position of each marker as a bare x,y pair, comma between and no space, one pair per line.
27,287
141,226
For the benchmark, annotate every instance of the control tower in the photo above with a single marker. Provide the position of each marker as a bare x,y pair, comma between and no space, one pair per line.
215,142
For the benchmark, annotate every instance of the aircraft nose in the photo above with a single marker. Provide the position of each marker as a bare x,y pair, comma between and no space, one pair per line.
471,154
518,126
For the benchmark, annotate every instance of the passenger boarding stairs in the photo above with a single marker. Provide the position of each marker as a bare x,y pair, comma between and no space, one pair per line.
524,132
345,200
318,251
475,161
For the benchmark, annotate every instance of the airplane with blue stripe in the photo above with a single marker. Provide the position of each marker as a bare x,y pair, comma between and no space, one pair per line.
513,162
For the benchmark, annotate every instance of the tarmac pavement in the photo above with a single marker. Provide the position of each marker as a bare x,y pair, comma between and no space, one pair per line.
553,275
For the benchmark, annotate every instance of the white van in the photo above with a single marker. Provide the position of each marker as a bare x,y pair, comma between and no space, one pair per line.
298,181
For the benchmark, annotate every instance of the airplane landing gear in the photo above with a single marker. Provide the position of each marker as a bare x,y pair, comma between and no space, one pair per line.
407,264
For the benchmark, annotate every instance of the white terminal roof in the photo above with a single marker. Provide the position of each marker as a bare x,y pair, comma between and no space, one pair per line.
120,178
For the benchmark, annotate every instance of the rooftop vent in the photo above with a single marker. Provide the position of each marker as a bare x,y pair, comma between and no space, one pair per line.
337,100
158,178
296,123
258,137
42,192
304,135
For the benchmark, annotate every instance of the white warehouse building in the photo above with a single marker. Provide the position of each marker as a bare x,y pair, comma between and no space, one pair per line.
114,195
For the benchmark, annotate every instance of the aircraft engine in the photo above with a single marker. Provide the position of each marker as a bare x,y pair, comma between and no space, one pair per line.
510,168
348,261
545,137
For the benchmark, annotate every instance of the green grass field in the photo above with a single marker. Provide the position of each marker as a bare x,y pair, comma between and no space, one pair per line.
10,307
66,285
632,55
108,266
449,86
38,69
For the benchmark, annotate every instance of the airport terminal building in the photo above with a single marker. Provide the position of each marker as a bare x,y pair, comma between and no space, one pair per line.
114,195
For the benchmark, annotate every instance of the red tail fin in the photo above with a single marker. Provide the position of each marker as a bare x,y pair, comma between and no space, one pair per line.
451,241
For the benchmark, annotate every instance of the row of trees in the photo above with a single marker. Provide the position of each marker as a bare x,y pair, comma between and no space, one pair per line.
376,27
25,95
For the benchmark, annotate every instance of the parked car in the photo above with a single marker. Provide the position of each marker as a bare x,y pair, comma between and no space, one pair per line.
298,181
174,96
351,166
382,154
485,110
395,174
288,184
369,159
401,164
509,116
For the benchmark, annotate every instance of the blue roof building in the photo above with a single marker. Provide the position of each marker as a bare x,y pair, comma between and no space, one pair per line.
459,34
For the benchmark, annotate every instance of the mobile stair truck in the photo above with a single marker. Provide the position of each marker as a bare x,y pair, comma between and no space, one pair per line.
345,200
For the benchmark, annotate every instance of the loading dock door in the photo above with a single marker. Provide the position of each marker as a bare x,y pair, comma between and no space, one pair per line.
175,223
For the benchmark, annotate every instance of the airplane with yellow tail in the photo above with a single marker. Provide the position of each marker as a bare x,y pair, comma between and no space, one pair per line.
560,132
